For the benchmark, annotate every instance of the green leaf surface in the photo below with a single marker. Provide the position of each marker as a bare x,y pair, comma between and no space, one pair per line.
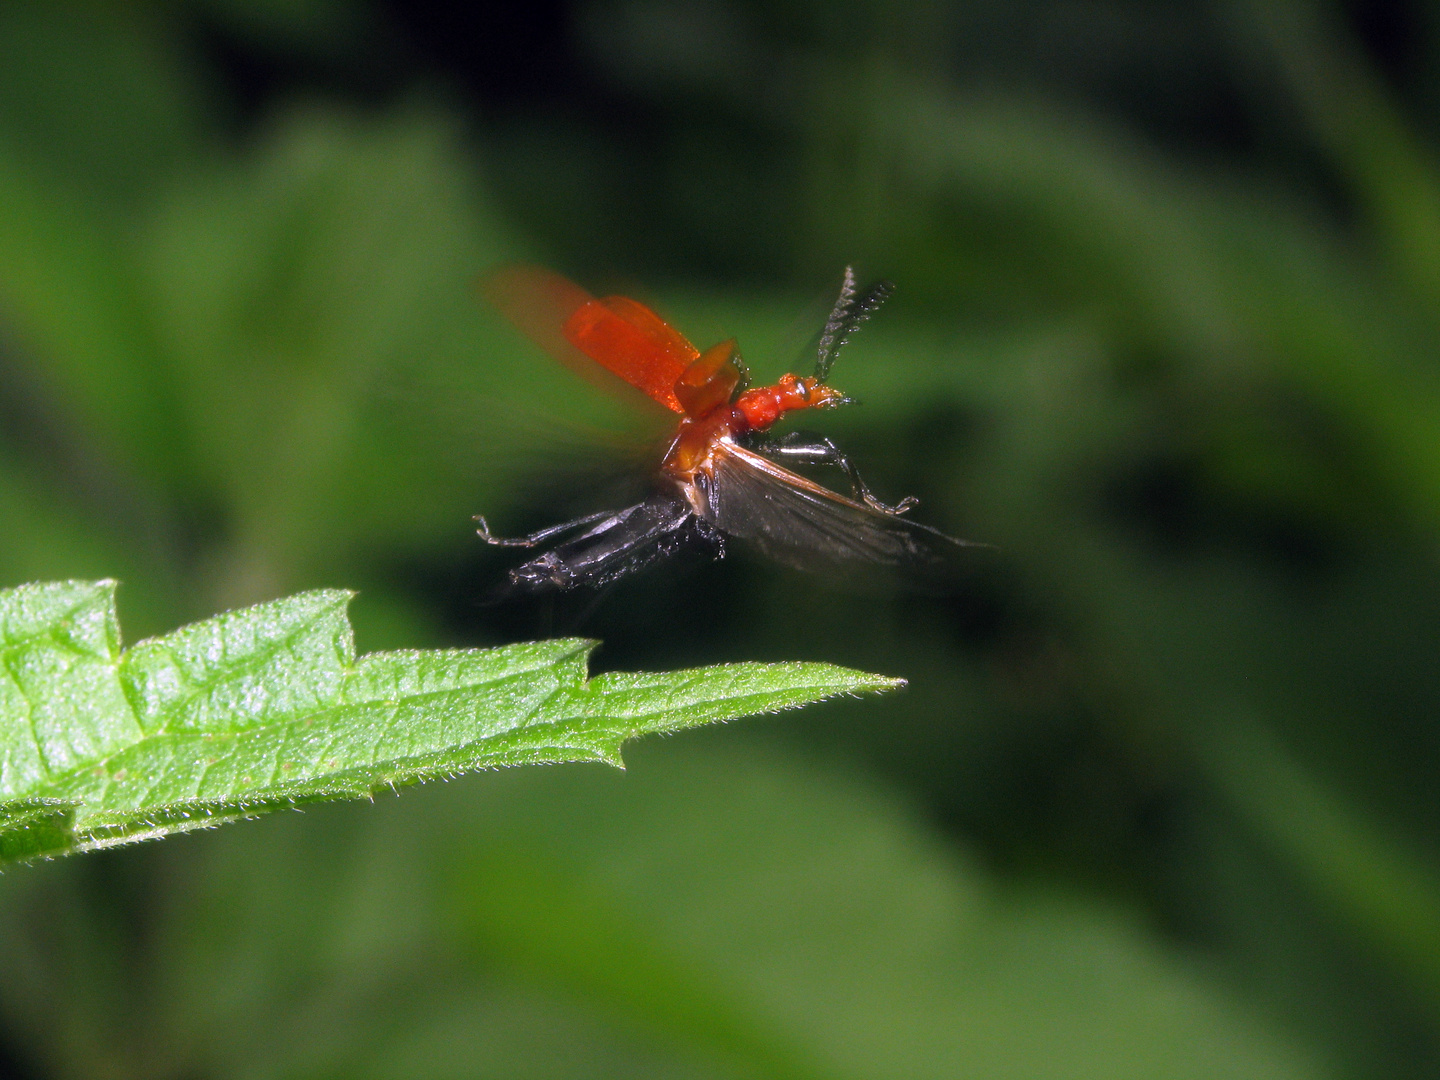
269,707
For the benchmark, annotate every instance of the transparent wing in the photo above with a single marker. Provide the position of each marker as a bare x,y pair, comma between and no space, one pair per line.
797,521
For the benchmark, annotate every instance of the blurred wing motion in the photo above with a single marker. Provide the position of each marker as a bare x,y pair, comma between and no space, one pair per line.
711,486
620,334
796,520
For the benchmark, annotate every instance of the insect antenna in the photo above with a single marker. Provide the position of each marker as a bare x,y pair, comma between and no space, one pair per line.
834,324
849,312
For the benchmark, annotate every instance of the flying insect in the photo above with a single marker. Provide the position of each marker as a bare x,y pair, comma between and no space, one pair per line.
722,476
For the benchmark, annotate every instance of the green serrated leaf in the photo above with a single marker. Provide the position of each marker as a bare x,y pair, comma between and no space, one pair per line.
268,707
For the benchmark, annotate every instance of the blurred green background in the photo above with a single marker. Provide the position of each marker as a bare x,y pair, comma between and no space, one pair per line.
1161,799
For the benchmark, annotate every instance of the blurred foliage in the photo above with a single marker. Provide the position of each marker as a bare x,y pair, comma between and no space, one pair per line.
599,925
1165,333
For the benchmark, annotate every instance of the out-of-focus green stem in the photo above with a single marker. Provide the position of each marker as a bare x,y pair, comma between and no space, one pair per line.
1387,892
1394,174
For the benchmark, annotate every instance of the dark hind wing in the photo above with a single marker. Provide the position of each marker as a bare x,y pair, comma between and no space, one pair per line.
616,545
799,522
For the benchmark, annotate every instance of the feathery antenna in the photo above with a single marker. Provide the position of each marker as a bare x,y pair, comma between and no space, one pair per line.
849,312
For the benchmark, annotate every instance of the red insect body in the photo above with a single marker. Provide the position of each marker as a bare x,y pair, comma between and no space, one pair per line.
633,342
760,408
719,479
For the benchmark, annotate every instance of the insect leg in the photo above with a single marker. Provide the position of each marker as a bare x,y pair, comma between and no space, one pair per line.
536,537
621,542
812,449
